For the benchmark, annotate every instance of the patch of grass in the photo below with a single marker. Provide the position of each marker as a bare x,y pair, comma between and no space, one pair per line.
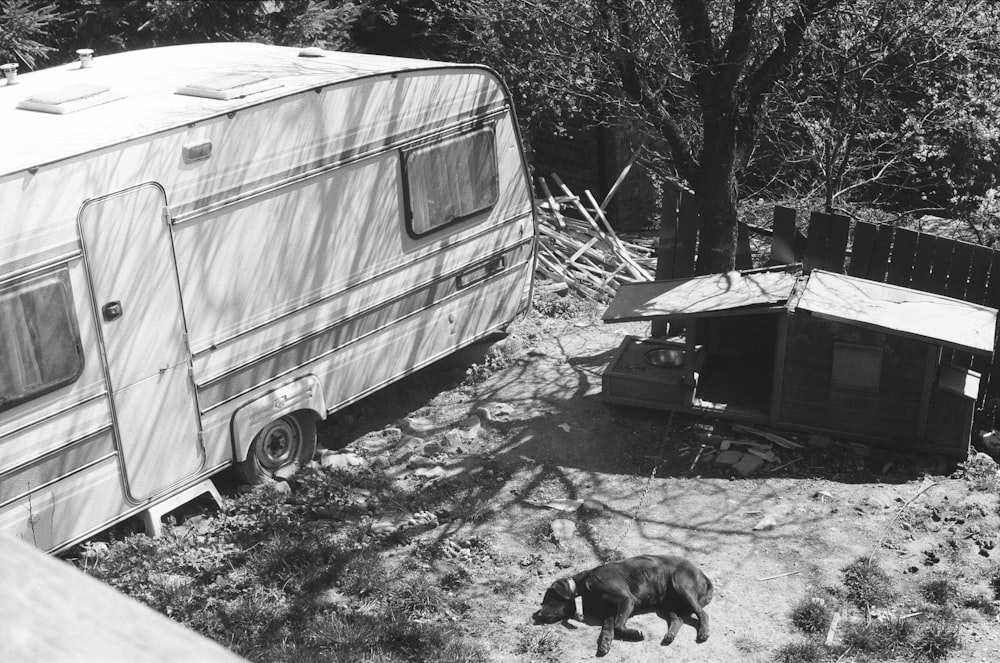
867,584
939,591
812,615
883,638
539,644
994,580
806,651
936,640
551,305
982,603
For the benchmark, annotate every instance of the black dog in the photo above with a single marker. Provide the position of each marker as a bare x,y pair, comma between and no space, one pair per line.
672,586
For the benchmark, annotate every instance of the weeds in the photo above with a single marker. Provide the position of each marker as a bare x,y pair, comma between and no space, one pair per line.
883,638
539,644
812,615
939,591
867,584
806,651
499,356
936,640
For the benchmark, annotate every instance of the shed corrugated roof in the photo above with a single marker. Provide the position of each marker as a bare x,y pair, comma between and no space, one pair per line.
950,322
934,318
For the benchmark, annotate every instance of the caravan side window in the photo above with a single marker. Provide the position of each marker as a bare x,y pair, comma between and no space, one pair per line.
449,180
40,347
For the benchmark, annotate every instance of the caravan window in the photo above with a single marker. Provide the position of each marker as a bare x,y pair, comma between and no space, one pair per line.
40,347
449,180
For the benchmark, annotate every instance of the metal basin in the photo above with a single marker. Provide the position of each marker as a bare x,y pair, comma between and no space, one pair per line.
665,357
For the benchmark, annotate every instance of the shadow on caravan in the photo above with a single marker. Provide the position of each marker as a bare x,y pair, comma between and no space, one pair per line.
204,249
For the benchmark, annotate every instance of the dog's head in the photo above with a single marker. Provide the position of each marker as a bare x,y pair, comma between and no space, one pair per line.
558,603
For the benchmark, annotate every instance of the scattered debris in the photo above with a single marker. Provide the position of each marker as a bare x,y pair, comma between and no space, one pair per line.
765,523
781,575
564,427
582,250
780,440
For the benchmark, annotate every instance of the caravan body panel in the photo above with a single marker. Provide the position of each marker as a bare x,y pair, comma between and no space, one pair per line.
240,246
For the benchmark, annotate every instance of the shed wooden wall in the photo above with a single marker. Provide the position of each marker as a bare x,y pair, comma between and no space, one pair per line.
809,399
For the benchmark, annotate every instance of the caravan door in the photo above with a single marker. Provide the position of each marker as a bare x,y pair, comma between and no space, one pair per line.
129,257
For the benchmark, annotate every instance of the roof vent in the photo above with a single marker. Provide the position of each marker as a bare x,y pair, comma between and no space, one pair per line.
9,72
70,99
86,57
312,52
229,86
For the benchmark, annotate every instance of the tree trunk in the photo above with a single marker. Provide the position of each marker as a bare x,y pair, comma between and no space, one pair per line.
715,197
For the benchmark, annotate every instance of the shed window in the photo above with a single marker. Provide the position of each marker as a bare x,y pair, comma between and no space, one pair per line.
856,366
40,346
449,180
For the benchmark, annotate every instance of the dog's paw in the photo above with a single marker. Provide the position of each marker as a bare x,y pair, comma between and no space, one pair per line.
667,640
603,648
630,634
702,636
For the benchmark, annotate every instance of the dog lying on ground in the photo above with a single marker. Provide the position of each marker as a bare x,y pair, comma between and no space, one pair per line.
673,587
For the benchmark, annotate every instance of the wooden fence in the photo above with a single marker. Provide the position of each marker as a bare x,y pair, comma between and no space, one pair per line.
898,256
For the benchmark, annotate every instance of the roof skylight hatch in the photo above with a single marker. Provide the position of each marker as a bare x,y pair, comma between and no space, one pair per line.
70,99
229,86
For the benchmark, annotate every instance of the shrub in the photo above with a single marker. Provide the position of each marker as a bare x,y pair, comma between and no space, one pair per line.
539,644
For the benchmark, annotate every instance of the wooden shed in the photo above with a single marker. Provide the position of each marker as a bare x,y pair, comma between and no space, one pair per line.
820,352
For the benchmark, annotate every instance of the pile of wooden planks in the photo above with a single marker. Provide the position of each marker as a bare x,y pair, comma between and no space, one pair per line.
577,245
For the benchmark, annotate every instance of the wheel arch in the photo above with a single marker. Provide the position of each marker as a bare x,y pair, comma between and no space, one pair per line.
304,394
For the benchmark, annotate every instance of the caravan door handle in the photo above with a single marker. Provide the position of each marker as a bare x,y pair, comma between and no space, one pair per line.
111,311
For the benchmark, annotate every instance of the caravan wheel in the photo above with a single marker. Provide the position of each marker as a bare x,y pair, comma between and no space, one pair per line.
279,448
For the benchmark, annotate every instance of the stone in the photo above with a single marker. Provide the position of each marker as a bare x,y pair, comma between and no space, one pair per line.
495,413
420,461
418,424
563,529
747,465
765,523
453,438
431,449
729,457
818,441
471,425
339,461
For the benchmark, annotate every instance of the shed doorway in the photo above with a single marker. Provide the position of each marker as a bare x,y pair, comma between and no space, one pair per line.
737,370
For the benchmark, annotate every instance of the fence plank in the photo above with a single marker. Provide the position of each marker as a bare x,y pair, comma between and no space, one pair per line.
816,240
783,237
878,265
958,272
979,273
904,251
668,239
941,264
687,234
923,259
862,249
838,230
744,257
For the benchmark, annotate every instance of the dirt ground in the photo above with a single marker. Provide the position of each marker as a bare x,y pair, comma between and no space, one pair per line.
766,541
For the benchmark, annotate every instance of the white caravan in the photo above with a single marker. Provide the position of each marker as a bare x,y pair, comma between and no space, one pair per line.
204,249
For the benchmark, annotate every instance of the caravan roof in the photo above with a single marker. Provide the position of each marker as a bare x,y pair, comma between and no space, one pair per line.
69,110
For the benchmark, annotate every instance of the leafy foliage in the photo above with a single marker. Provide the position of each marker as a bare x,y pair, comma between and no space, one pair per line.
24,26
